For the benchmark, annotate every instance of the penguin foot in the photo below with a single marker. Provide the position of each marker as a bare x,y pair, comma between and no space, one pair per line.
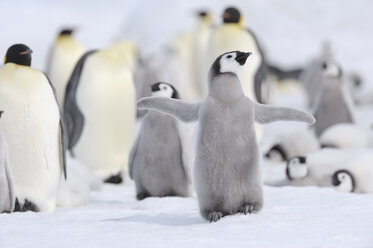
27,206
214,216
142,196
114,179
247,208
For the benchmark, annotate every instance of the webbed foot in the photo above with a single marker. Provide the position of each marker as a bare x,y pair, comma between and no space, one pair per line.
115,179
142,196
247,208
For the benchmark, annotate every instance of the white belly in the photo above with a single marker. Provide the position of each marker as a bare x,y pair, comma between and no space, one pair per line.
30,124
106,97
227,38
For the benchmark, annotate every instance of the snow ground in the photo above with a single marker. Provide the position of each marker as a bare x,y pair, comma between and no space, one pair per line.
291,32
292,217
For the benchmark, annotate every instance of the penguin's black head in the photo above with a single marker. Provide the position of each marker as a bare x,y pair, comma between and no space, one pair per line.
230,62
19,54
164,90
1,113
67,32
202,13
231,15
331,68
276,153
344,181
296,168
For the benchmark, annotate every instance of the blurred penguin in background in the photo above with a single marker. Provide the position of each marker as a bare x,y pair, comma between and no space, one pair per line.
100,111
201,36
63,56
333,103
233,35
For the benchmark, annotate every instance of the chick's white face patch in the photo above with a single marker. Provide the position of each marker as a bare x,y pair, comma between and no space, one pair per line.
297,169
346,184
164,91
228,63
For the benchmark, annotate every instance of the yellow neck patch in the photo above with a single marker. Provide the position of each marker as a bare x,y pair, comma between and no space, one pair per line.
4,59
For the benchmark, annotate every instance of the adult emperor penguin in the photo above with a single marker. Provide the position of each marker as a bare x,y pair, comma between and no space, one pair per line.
33,129
200,39
334,103
227,172
63,56
156,162
100,112
233,35
7,188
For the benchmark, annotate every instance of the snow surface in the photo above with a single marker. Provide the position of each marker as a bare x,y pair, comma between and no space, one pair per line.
291,32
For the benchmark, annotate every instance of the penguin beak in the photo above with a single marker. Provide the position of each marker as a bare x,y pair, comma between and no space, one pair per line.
242,57
28,51
335,180
155,87
1,113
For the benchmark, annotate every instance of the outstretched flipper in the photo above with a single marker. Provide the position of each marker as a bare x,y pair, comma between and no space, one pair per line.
186,112
266,114
74,118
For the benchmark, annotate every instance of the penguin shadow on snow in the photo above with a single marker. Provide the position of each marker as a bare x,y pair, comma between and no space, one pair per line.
162,219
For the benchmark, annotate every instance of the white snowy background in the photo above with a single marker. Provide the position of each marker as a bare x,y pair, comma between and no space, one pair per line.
291,33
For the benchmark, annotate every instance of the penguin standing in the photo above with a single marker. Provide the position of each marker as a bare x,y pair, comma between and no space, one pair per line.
100,112
156,162
7,190
227,172
64,54
233,35
200,39
33,129
334,103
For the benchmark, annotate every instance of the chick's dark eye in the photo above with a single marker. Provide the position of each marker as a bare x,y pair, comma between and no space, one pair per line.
229,56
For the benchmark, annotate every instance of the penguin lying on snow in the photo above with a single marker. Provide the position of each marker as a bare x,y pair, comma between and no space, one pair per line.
156,162
293,143
100,111
346,135
33,129
334,104
355,175
227,176
7,190
63,56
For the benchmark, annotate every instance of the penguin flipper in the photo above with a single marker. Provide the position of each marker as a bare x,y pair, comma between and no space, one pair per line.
74,118
186,112
132,156
266,114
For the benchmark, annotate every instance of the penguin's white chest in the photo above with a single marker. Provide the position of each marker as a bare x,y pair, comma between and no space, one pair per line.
31,127
106,97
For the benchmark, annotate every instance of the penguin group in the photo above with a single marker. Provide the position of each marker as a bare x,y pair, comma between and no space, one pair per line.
182,119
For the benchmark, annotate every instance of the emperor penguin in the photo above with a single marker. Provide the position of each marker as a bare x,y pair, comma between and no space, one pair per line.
156,162
334,103
200,39
63,56
226,171
232,35
100,112
7,188
33,129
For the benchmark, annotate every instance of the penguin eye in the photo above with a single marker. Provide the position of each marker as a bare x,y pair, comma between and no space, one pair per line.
164,87
229,56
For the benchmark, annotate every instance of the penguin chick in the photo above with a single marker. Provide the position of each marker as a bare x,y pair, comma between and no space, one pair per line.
63,56
334,104
156,162
226,171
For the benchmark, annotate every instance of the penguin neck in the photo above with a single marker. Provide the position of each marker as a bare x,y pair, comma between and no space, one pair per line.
225,87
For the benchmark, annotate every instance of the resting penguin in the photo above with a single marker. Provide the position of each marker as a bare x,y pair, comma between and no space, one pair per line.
156,162
33,129
334,103
63,56
7,190
232,35
100,112
227,173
